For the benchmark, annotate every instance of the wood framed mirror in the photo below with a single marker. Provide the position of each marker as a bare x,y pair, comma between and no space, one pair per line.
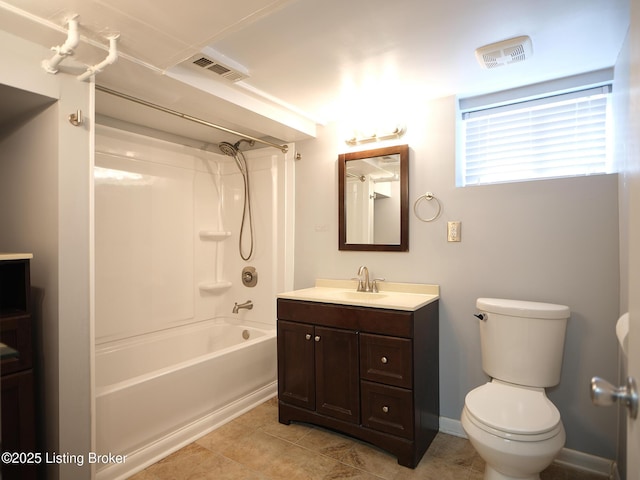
373,199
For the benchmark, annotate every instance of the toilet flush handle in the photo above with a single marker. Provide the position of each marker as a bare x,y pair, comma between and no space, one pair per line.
481,316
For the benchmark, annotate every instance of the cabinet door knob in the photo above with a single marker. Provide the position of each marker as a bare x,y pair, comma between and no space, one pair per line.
308,336
385,409
317,338
384,359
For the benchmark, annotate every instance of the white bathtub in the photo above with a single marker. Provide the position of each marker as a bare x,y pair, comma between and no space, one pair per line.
159,392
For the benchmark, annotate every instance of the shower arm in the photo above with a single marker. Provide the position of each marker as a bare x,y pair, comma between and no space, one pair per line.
282,148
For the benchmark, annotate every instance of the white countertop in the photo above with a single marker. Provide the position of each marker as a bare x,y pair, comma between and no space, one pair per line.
395,296
15,256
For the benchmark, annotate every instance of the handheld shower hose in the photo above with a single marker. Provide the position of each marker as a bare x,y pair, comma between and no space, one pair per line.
234,152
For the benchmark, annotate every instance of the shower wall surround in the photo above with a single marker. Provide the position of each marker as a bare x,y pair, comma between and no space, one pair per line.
158,266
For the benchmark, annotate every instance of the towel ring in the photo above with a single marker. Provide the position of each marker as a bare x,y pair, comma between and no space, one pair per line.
427,196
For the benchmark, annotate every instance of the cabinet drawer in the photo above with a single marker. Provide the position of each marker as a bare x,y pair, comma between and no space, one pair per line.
387,409
386,359
360,319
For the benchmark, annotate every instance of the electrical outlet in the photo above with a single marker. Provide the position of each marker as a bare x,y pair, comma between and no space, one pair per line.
453,231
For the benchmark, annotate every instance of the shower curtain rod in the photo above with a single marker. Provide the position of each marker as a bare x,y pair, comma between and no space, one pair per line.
282,148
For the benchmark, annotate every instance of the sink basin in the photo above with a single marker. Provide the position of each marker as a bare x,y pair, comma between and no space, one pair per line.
395,296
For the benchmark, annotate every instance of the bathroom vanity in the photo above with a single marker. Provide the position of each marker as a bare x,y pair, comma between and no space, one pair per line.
364,364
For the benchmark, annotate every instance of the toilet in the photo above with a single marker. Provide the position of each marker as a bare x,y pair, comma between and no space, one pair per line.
510,421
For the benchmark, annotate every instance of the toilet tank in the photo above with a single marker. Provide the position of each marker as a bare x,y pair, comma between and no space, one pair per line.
522,342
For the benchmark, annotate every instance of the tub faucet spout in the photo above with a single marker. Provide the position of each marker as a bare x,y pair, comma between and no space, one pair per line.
248,305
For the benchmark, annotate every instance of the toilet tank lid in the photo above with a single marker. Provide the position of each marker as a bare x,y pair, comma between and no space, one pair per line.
521,308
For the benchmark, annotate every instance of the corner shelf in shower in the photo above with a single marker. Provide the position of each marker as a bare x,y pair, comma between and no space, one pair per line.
214,235
214,287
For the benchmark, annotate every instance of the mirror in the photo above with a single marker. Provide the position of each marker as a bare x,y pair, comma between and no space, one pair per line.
373,189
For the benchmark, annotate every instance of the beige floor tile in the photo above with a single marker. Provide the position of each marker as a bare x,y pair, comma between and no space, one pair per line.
453,450
181,464
374,460
343,471
327,443
264,414
255,446
278,458
226,435
434,468
292,433
143,475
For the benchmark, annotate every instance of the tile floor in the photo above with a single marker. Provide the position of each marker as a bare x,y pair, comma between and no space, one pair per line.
255,446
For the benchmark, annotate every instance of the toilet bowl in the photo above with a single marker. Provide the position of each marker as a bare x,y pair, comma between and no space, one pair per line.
516,430
510,421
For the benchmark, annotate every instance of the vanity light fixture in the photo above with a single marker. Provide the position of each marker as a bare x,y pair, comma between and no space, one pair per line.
397,132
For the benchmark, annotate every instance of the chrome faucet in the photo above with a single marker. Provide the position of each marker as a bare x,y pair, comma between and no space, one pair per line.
364,285
248,305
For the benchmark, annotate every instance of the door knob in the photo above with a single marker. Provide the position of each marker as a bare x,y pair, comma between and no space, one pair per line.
605,394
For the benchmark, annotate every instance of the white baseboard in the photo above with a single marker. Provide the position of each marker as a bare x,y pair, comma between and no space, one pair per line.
452,427
568,457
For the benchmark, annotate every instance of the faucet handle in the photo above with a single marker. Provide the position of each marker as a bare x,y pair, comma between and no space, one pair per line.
360,284
374,284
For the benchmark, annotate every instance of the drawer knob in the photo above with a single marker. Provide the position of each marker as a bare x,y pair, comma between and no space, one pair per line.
385,409
384,359
308,336
317,338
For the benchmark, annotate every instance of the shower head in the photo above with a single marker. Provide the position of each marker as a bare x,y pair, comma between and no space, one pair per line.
228,149
232,150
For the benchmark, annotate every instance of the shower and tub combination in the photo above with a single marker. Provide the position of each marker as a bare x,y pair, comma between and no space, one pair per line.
179,348
159,393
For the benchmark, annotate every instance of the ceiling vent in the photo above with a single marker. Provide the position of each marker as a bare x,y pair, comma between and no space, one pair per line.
204,62
510,51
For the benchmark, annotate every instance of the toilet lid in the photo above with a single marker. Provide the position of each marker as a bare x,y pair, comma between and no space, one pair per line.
513,409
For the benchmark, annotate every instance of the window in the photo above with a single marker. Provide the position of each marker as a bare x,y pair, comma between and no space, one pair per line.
554,136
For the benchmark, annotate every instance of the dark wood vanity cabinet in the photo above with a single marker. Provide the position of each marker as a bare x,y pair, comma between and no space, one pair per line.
319,369
367,372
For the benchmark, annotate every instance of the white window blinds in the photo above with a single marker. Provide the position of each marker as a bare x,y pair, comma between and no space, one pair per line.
557,136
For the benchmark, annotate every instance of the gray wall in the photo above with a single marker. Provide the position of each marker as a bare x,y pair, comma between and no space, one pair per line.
45,198
553,241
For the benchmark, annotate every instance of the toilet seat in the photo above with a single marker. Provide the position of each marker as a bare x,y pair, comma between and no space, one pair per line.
513,412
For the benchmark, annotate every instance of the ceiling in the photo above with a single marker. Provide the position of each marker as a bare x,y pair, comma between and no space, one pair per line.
309,61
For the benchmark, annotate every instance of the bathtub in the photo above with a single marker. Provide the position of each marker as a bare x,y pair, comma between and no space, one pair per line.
157,393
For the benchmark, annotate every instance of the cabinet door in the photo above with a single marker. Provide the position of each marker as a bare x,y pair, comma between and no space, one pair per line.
18,423
337,373
296,376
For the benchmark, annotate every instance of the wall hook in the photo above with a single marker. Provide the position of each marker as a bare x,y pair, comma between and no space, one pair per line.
76,119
